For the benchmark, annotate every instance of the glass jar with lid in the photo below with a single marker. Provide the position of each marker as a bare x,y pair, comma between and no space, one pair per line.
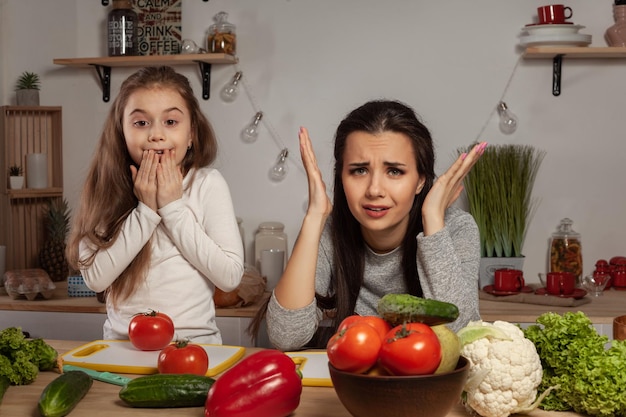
566,250
270,235
222,36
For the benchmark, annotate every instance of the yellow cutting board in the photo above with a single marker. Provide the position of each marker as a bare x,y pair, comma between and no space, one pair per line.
314,368
121,356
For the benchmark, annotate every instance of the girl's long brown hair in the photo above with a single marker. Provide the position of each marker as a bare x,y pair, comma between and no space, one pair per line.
107,197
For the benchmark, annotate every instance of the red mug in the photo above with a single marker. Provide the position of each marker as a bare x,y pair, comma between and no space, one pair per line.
508,280
560,283
554,14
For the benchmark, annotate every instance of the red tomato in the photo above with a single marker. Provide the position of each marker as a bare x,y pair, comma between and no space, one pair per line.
411,349
151,330
183,357
380,324
354,349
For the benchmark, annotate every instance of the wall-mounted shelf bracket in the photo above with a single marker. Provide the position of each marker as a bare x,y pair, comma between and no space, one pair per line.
556,74
104,73
205,74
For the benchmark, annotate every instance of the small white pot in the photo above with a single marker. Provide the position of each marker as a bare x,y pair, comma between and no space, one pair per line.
16,183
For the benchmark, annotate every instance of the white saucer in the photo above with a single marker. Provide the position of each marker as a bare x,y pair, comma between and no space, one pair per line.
552,29
570,39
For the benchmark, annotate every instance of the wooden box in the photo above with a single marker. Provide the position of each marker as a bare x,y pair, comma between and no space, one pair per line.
25,130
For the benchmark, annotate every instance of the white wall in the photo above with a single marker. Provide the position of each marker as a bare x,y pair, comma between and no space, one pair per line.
310,62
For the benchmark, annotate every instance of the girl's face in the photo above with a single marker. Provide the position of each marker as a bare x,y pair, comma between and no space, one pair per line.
380,180
156,119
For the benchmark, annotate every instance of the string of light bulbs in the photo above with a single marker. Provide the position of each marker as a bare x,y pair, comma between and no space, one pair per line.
507,119
250,132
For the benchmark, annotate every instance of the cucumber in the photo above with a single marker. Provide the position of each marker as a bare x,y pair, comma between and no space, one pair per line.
406,308
167,391
62,394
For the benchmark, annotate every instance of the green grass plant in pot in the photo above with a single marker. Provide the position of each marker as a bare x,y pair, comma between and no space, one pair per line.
27,89
499,192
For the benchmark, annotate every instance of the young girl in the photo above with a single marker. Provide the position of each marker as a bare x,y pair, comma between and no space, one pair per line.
156,227
390,229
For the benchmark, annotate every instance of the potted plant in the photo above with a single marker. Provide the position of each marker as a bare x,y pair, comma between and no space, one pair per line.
27,89
16,177
499,192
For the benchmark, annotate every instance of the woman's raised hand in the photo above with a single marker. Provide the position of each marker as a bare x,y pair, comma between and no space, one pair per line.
447,188
319,203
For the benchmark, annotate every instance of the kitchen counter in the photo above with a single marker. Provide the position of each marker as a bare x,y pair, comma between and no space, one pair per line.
61,302
82,318
102,400
601,310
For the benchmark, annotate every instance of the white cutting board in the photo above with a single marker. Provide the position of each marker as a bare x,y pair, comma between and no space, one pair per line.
121,356
314,368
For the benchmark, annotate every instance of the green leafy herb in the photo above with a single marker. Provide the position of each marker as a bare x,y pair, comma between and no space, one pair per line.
499,189
591,378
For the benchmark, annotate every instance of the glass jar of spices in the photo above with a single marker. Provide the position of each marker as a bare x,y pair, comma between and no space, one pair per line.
222,36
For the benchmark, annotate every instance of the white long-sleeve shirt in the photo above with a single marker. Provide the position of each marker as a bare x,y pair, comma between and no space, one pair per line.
195,247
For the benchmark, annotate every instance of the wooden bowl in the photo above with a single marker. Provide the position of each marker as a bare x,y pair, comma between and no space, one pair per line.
400,396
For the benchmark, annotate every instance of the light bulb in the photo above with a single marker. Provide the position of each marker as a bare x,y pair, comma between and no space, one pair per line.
508,121
251,132
279,170
189,47
230,90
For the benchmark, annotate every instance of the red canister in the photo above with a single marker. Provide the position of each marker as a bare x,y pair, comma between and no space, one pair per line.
618,272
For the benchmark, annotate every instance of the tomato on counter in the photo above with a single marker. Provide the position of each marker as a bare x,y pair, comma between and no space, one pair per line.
151,330
183,357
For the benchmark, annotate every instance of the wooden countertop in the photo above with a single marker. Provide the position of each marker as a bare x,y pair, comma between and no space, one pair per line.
601,310
61,302
102,400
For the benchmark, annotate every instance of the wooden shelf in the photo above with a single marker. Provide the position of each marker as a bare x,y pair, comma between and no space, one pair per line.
35,193
575,52
557,53
103,66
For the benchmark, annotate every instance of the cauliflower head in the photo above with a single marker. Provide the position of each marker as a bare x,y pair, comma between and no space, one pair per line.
505,369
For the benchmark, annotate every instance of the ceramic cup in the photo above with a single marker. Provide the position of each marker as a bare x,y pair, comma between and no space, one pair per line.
619,328
560,283
509,280
272,263
554,14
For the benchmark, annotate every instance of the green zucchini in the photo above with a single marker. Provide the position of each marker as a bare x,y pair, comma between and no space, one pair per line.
405,308
167,391
4,385
61,395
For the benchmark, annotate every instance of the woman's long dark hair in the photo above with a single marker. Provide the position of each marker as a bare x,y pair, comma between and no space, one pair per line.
374,117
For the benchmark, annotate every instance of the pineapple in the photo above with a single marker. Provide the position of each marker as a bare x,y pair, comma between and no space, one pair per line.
52,255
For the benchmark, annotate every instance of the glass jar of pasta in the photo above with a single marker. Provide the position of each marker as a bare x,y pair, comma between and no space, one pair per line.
566,250
221,36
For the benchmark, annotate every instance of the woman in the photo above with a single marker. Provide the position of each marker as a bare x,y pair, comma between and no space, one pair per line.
391,229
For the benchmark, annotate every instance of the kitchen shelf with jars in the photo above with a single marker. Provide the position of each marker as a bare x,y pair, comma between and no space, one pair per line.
103,66
30,138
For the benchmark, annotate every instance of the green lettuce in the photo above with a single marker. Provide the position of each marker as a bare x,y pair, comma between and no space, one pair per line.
590,371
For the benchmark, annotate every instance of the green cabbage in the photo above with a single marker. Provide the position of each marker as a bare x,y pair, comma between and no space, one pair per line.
590,376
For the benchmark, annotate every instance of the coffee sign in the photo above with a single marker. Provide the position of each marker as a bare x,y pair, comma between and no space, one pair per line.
159,29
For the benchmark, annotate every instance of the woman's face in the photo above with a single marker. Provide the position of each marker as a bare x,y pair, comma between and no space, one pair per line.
380,180
156,119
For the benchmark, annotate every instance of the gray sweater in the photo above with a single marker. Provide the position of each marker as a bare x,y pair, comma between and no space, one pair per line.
447,262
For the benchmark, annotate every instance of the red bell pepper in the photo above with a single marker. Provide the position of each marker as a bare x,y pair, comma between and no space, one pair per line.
265,384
